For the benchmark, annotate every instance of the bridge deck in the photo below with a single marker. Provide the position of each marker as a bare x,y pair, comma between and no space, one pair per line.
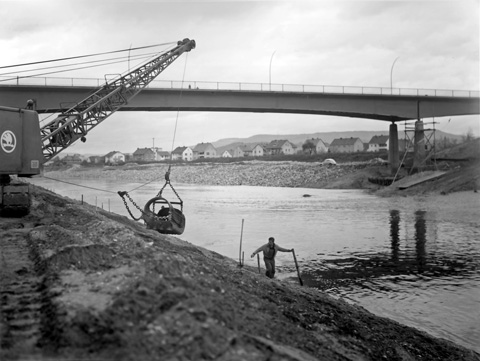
385,107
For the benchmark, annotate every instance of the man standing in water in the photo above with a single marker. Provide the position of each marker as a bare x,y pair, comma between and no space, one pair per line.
269,252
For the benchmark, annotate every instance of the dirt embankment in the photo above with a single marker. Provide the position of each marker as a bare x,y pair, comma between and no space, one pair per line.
107,288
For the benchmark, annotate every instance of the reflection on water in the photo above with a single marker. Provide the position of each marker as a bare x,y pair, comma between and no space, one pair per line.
422,284
412,260
407,261
395,233
420,232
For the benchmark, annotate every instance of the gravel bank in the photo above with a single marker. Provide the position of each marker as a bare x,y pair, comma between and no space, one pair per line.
254,173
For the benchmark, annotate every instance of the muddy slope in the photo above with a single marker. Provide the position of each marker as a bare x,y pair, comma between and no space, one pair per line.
82,283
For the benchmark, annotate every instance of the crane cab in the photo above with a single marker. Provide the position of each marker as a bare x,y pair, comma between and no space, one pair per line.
20,143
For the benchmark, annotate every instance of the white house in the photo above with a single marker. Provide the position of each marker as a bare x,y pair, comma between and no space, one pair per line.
183,153
114,158
227,154
162,155
319,145
378,143
257,151
280,147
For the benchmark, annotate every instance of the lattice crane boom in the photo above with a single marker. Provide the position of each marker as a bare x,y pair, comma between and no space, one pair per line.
76,122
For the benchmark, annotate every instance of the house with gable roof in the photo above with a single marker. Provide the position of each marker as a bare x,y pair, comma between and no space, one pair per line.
183,153
204,150
144,155
346,145
162,155
239,151
378,143
257,151
114,158
281,146
228,153
252,150
319,146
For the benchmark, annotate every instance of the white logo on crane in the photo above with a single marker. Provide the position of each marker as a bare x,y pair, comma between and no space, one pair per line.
8,141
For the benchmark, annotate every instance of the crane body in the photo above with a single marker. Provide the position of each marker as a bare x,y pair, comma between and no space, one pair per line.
20,154
25,147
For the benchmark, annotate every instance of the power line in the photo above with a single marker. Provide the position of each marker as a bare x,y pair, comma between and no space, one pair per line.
62,71
83,56
138,56
79,185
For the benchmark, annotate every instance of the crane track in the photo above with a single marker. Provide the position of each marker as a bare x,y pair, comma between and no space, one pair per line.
21,291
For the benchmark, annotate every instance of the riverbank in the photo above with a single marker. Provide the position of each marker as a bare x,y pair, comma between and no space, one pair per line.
107,288
459,176
460,163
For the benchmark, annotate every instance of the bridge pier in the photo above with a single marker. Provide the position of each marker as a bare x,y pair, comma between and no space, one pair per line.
393,152
418,146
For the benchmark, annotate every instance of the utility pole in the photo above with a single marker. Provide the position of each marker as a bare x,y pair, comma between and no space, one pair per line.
270,71
391,75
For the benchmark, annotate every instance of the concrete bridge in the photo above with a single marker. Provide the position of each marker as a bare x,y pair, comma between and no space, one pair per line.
52,95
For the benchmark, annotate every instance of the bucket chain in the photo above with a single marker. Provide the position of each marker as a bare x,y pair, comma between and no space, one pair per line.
167,181
123,194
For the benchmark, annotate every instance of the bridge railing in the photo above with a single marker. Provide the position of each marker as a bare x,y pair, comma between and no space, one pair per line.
211,85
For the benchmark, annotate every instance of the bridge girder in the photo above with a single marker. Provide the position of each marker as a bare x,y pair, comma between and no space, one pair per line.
392,108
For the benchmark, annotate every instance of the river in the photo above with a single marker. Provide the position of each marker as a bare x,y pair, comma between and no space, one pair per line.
413,260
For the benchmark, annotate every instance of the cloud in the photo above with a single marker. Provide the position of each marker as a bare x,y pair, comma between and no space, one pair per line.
350,43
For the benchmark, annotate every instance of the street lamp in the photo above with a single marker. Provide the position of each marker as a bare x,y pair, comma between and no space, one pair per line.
270,72
391,74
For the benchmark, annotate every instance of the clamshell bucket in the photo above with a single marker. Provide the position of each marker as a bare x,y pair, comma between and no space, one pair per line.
168,220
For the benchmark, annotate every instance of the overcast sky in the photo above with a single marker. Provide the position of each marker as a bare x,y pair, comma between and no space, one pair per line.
429,44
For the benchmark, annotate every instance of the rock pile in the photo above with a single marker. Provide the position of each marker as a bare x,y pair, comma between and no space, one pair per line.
266,174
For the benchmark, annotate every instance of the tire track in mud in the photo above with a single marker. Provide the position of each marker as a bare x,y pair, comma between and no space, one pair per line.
20,292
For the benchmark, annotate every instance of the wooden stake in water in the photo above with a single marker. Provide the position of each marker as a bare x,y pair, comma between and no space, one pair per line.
296,265
240,252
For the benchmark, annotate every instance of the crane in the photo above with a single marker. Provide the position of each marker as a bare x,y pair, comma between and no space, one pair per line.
25,147
75,122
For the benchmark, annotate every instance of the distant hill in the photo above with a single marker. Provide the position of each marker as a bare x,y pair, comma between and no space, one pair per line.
229,146
328,137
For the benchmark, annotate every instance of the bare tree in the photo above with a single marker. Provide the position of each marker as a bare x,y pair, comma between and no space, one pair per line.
309,147
469,136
